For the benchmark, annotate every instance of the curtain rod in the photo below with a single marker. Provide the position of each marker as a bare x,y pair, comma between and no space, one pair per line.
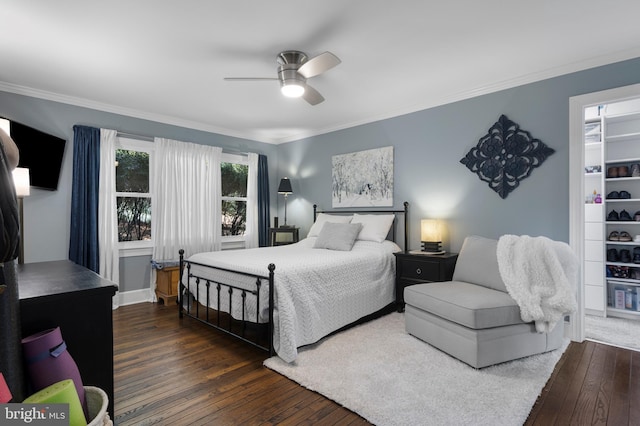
228,151
134,136
151,139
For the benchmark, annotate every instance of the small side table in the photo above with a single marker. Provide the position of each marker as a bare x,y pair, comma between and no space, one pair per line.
273,233
167,284
421,268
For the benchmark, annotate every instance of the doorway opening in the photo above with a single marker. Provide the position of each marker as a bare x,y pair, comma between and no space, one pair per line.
605,139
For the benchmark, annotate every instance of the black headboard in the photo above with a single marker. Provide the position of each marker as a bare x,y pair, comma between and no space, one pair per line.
403,212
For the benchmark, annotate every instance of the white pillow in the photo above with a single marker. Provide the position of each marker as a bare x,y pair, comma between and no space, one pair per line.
322,218
338,236
375,227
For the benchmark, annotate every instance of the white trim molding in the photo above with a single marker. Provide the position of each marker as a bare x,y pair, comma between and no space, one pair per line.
577,104
298,134
132,297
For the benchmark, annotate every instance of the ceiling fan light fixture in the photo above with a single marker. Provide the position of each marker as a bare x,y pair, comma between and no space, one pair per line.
292,89
294,70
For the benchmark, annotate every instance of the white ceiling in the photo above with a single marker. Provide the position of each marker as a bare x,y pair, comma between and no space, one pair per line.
166,60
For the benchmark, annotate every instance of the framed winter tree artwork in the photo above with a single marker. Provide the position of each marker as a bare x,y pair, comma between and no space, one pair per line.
363,178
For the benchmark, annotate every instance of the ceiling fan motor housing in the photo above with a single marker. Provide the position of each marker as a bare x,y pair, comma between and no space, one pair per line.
294,57
288,75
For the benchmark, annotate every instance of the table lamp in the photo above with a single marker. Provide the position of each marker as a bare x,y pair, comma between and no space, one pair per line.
285,189
431,236
22,183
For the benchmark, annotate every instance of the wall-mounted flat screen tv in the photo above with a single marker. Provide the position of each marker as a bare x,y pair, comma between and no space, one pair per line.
40,152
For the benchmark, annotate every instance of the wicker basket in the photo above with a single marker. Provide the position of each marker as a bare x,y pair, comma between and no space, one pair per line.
97,403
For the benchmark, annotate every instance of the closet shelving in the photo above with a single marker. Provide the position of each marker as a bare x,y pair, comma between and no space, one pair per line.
620,146
594,279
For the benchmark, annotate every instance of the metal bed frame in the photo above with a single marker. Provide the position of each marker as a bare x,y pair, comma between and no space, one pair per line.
247,331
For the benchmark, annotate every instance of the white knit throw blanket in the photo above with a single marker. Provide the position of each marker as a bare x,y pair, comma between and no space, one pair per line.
540,275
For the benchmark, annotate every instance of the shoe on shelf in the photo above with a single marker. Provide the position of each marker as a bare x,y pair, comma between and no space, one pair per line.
625,256
613,216
613,195
633,273
635,170
614,236
624,195
612,255
623,171
625,216
612,172
636,255
624,271
636,216
624,237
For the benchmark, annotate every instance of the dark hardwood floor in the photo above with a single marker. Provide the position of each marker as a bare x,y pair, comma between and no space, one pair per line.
180,372
592,384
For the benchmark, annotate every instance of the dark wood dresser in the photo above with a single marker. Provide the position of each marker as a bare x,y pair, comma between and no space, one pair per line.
76,299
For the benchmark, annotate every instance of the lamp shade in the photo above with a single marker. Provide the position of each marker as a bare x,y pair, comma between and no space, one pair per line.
431,230
21,181
285,186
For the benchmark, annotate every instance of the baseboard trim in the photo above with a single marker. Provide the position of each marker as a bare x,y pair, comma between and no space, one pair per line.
123,298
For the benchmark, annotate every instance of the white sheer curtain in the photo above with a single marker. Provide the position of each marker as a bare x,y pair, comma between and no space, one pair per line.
186,210
251,231
107,215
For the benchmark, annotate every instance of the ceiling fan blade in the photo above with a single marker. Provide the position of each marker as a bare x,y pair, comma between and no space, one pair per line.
249,78
311,95
318,64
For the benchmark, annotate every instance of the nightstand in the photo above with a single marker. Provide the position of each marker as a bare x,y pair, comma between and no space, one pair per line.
421,268
167,284
291,231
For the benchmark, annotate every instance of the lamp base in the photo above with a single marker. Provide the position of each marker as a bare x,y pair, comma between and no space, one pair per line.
428,253
432,246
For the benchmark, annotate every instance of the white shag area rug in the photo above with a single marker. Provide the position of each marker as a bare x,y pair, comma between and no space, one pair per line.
391,378
614,331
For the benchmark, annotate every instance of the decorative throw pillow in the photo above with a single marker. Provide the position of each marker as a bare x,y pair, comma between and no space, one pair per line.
338,236
322,218
375,227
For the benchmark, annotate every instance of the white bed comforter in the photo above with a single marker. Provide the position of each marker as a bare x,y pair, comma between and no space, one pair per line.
317,291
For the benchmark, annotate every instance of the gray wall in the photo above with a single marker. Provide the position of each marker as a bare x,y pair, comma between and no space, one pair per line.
47,213
429,144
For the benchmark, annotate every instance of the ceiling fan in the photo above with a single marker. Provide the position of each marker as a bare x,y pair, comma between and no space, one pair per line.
294,70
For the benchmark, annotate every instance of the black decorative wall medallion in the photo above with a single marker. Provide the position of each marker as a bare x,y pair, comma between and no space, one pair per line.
505,156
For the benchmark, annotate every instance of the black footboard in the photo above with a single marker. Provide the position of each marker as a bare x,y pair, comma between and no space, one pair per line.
247,328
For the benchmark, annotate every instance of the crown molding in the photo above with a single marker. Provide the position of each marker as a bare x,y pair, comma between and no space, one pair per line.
479,91
115,109
260,137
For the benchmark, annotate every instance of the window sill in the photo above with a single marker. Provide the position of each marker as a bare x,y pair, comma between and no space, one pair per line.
232,245
148,251
139,251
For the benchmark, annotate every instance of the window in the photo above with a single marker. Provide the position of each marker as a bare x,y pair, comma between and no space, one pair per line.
133,192
234,170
